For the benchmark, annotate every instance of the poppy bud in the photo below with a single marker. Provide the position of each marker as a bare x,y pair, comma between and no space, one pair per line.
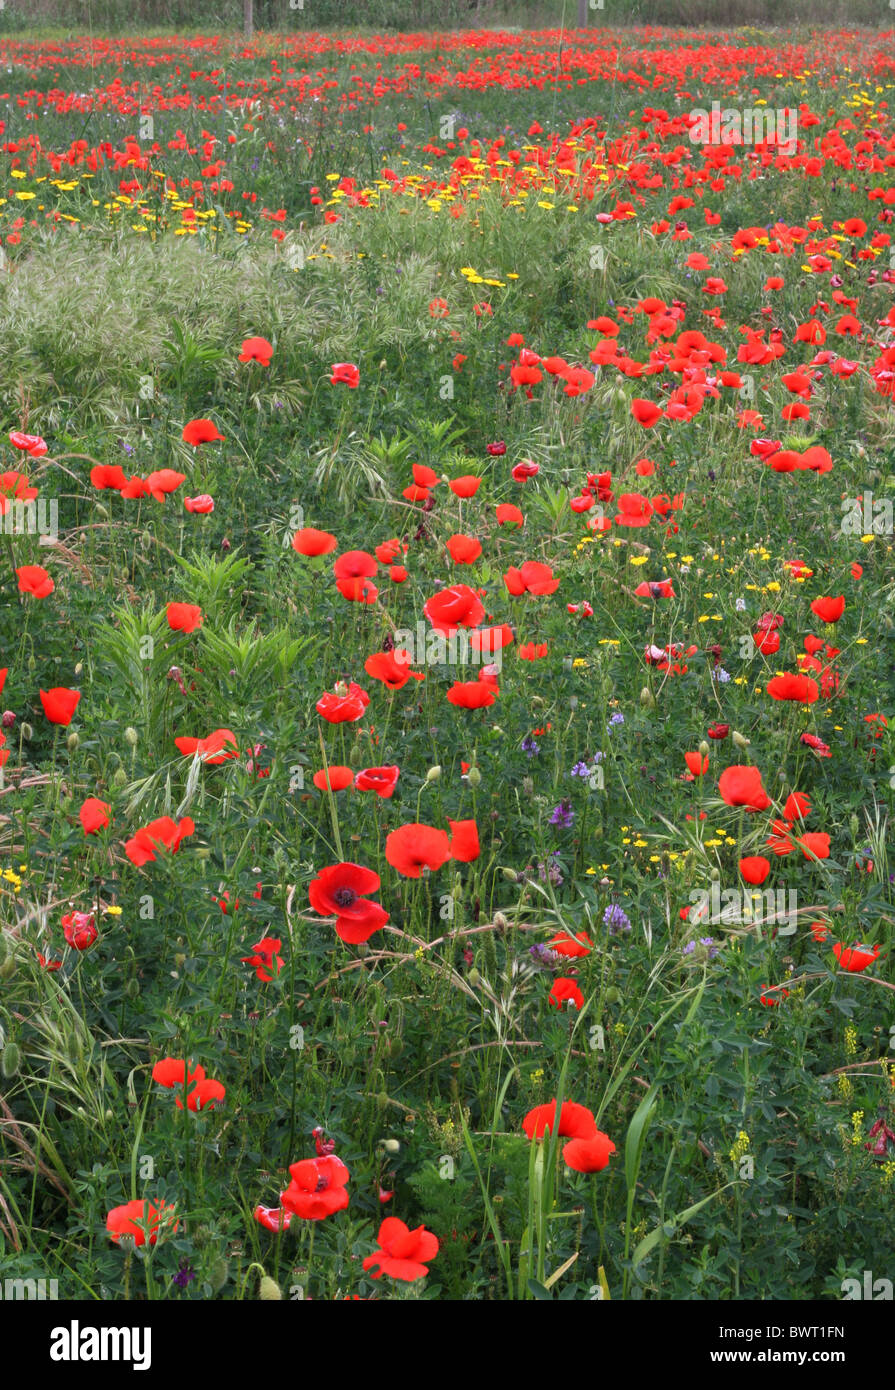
510,875
9,718
79,668
391,1146
500,921
119,777
853,825
715,874
10,1059
647,699
27,732
8,968
269,1289
704,749
131,737
218,1274
612,995
474,777
73,743
132,989
474,978
395,1047
31,663
740,740
180,960
433,774
4,952
382,1100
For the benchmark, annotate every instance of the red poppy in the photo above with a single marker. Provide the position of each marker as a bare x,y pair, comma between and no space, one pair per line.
471,694
312,542
532,651
464,843
107,475
29,443
797,806
273,1218
741,786
565,944
79,930
202,505
412,848
563,991
697,763
34,580
452,608
184,617
345,374
381,780
755,868
344,706
507,513
792,687
465,486
334,779
163,833
532,577
265,958
59,704
854,958
588,1155
174,1071
159,484
205,1095
198,432
829,610
217,748
575,1121
94,815
256,350
340,891
136,1218
392,668
464,550
402,1254
317,1189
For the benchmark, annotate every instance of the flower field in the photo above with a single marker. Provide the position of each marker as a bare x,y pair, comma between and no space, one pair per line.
447,759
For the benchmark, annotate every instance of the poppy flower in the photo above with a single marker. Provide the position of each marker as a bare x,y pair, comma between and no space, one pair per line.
94,815
741,786
107,475
256,350
814,845
792,687
588,1155
59,704
414,847
29,443
184,617
205,1095
697,763
829,610
465,486
136,1218
79,930
575,1121
507,513
471,694
532,578
645,412
340,891
532,651
854,958
489,640
334,779
797,806
357,590
202,505
163,833
174,1071
392,668
464,550
272,1218
355,564
345,374
564,944
497,449
381,780
266,958
402,1254
525,469
343,706
310,541
452,608
217,748
464,843
317,1189
201,431
755,868
159,484
563,991
34,580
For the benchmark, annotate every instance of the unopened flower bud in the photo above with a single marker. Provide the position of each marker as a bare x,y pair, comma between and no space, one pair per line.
131,736
647,699
391,1146
740,739
704,749
27,732
73,743
474,777
8,718
269,1289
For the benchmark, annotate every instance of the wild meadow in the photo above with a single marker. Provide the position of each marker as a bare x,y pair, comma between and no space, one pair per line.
446,506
